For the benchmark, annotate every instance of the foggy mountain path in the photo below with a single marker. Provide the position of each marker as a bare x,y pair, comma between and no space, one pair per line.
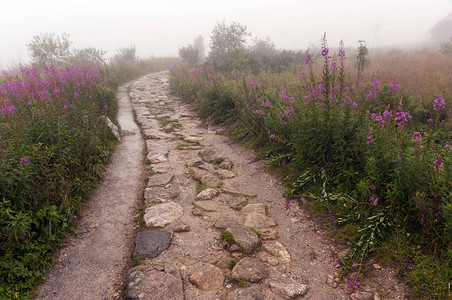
215,225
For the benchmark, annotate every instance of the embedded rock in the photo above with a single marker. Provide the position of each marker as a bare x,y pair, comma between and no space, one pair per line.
162,214
226,164
250,269
258,220
111,126
151,243
245,238
207,277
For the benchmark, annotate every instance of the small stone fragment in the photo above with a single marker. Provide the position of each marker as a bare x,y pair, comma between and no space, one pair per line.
226,164
377,266
197,212
268,234
207,194
278,250
234,248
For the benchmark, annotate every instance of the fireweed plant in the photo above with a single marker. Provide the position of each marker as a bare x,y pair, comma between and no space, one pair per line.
354,148
53,148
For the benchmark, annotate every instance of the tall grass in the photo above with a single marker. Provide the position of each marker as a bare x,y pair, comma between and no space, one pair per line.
373,155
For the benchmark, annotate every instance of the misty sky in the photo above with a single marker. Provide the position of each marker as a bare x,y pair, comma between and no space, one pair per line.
160,27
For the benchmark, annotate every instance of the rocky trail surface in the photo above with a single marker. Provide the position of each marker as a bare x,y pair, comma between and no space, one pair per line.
213,223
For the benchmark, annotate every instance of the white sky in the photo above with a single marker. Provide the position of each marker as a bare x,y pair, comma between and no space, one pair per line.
160,27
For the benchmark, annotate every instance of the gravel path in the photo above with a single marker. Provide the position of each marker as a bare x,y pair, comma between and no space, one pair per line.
93,261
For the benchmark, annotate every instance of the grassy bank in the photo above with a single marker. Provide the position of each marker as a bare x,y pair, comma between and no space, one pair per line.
373,157
53,149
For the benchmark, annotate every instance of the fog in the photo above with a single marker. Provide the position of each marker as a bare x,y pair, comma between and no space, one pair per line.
160,27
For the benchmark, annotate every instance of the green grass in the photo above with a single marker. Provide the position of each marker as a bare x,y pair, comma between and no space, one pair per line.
227,237
232,263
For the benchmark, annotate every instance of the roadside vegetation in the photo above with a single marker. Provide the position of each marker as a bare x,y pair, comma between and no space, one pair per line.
54,146
364,136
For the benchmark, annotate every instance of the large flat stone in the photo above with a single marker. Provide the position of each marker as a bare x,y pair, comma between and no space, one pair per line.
162,214
151,243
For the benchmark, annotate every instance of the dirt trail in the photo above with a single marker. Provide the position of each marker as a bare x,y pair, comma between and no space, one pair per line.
93,261
278,251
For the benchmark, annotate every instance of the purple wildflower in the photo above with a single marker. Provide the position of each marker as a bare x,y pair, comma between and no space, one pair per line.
438,165
325,51
373,200
402,118
370,138
24,160
395,87
439,104
417,136
308,59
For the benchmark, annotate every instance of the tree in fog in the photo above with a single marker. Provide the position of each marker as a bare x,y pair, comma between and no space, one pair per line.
226,43
125,54
88,55
262,48
198,44
190,55
49,49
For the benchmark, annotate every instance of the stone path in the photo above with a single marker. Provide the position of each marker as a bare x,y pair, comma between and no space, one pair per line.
216,225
